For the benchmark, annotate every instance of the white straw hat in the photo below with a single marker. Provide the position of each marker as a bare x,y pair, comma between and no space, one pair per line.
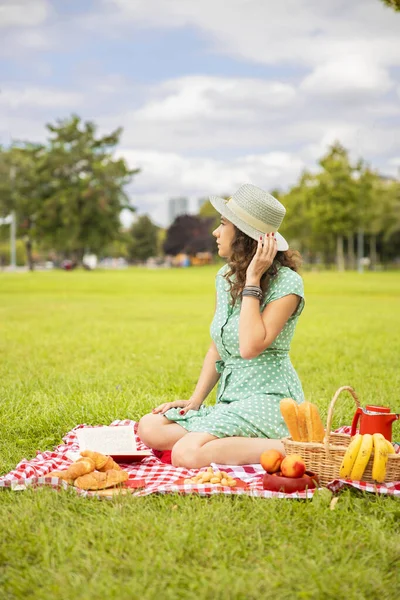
254,212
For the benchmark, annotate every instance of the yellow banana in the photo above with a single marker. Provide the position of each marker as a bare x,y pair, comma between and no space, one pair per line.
380,458
362,457
390,447
350,456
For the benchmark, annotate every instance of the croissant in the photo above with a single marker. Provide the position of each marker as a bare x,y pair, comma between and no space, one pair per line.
60,475
78,468
289,410
100,481
102,462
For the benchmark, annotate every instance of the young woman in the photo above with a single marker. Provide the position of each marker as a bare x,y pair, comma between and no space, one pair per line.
259,299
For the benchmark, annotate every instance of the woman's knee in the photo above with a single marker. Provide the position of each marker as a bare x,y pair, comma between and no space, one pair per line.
146,428
184,457
185,454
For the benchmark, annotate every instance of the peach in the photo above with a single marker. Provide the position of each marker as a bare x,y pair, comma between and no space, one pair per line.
271,460
293,466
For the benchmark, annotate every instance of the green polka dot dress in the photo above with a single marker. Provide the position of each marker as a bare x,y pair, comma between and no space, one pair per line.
249,390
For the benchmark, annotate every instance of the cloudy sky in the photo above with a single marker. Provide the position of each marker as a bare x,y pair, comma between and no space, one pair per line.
212,93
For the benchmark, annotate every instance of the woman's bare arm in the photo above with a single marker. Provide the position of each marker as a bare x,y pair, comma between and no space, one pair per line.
208,376
207,380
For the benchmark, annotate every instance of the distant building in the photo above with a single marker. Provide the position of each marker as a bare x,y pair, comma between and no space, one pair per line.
176,207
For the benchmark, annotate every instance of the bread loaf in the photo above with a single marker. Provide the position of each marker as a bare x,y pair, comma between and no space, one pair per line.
310,424
289,412
315,428
302,414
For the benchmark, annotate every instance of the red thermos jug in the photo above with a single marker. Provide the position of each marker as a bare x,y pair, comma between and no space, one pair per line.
374,419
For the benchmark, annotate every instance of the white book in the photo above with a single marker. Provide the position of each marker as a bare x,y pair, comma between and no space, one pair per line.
114,441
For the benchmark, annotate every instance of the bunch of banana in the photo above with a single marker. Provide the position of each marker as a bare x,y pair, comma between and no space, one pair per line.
358,454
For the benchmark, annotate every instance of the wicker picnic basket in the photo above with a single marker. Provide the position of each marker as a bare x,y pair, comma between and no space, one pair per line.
325,458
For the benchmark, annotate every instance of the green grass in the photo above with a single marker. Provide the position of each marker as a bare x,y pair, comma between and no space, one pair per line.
93,347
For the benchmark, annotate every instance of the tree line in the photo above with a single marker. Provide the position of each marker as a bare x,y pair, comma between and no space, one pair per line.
68,194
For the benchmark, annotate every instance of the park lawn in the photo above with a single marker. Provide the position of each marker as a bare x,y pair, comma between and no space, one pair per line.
89,348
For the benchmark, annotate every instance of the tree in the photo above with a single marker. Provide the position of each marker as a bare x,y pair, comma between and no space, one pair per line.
207,210
334,200
395,4
19,186
298,226
81,188
190,234
144,239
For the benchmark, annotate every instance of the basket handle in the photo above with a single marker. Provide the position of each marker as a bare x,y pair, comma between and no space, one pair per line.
344,388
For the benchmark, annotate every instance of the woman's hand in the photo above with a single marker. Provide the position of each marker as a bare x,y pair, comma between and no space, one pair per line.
262,259
185,405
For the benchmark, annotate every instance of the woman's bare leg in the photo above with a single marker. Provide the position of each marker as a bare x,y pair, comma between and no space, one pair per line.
158,432
197,450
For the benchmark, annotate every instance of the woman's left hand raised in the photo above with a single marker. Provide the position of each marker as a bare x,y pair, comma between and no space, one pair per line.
262,259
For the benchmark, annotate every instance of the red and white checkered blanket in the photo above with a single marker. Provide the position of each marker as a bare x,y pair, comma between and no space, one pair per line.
153,476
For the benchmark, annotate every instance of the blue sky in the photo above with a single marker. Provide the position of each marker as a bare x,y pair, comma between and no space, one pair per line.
210,94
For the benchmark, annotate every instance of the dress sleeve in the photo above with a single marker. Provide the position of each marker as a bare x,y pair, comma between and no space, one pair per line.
286,282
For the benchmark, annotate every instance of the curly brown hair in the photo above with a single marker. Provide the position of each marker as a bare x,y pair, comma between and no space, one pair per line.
243,249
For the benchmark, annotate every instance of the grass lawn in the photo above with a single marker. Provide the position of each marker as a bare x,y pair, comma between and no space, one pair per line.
93,347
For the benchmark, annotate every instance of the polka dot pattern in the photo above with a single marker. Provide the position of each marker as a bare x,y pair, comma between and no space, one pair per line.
249,391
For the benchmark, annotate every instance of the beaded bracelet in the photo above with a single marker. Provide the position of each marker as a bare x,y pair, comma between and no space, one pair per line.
253,290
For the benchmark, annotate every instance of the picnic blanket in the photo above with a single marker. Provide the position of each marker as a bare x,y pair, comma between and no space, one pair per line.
151,475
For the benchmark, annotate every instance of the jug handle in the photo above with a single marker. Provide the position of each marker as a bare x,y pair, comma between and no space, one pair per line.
355,421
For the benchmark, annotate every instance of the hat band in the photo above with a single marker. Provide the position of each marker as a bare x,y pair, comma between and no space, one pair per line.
249,219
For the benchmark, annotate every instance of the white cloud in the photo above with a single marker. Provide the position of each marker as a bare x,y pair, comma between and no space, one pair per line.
199,177
308,32
23,13
348,77
13,98
217,98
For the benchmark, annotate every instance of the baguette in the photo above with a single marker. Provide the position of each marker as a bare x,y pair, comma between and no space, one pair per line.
289,410
302,414
100,481
310,424
315,428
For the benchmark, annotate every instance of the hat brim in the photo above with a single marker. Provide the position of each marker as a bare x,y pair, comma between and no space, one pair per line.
220,205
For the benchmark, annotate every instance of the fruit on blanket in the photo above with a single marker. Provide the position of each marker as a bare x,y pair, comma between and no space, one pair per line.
293,466
276,483
270,460
78,468
362,459
350,456
102,461
99,481
380,458
212,477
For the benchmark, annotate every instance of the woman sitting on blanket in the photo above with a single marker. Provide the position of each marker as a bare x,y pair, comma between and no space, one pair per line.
259,299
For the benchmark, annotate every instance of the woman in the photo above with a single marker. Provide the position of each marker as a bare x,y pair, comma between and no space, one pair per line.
259,299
